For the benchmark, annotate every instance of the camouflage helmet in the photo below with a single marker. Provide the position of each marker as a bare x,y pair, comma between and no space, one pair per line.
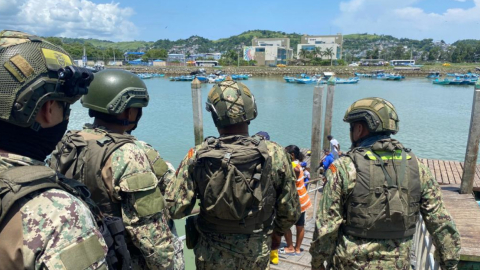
379,114
230,103
32,72
113,91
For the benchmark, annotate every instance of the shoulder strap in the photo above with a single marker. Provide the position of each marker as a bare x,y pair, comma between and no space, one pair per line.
18,182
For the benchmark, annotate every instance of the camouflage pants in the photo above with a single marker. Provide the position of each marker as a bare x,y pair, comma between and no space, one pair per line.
178,259
215,252
138,262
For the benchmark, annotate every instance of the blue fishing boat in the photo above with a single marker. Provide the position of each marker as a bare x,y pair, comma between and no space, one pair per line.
145,76
289,79
363,75
347,81
307,80
182,78
434,75
203,79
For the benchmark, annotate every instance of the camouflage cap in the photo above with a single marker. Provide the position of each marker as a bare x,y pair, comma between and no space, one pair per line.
379,114
28,76
230,103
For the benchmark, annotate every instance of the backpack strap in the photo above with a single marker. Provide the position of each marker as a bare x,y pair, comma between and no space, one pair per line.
18,182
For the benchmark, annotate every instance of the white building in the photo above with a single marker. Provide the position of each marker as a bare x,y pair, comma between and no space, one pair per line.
268,51
309,43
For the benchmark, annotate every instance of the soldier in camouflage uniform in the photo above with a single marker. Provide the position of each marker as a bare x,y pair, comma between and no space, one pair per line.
43,228
124,175
228,243
373,198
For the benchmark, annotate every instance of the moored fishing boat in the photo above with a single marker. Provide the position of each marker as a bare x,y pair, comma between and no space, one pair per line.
347,81
289,79
433,75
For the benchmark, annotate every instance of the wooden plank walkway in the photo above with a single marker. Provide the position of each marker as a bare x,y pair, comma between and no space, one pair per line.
463,208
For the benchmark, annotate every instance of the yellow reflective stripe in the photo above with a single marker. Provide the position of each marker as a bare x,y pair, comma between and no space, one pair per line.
386,155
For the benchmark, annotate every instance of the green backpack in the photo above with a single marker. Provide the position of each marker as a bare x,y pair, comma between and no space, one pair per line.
233,181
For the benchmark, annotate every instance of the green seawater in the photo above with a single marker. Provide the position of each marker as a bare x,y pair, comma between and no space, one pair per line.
434,119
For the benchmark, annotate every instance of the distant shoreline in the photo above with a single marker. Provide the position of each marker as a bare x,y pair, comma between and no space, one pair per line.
294,70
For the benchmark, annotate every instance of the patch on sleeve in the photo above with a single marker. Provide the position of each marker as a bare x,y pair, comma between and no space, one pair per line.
332,168
83,254
191,152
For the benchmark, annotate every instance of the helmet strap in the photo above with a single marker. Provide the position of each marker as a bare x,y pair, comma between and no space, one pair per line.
113,119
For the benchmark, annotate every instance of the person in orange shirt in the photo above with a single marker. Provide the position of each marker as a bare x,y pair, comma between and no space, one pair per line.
305,203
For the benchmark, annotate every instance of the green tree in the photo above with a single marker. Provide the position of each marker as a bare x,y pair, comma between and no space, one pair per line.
329,53
318,52
304,54
55,40
157,54
434,53
398,52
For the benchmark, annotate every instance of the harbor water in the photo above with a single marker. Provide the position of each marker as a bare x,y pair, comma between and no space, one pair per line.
434,119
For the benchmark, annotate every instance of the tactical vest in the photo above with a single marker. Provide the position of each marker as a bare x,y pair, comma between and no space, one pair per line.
18,182
82,156
385,201
232,178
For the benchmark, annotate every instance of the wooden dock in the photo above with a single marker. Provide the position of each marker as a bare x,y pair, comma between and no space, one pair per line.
463,208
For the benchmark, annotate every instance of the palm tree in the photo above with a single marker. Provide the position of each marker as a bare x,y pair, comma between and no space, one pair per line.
303,53
318,52
329,53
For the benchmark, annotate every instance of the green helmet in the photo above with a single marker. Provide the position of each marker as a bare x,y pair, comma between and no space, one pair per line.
32,72
379,114
231,103
113,91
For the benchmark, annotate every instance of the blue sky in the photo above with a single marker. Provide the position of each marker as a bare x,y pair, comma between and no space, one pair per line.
151,20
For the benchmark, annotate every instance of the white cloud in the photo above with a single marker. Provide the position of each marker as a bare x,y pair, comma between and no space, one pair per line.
406,19
68,18
460,0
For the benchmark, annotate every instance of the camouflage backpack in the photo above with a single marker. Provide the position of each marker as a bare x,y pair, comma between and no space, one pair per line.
233,182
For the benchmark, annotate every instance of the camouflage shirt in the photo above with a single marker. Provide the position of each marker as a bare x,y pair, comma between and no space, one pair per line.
169,176
181,198
151,234
50,229
348,252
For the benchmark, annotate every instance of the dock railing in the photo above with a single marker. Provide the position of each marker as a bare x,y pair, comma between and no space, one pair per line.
424,248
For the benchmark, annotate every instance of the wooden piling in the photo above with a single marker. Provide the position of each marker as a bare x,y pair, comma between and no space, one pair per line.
197,111
472,145
316,129
327,129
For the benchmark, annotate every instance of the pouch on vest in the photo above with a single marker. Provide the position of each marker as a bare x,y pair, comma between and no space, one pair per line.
191,232
145,191
234,186
159,167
